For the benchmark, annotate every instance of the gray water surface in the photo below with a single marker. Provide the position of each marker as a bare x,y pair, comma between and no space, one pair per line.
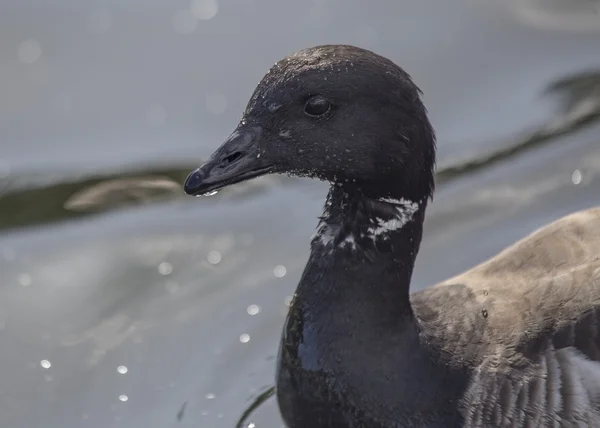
124,303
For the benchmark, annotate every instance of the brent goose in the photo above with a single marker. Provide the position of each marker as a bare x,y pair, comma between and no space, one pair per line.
513,342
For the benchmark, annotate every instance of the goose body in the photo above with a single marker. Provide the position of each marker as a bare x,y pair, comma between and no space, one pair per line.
514,342
526,324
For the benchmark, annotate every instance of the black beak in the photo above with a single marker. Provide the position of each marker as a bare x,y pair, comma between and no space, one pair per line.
238,159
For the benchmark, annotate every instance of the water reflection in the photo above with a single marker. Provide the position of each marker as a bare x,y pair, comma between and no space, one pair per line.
255,404
21,205
565,15
577,100
153,309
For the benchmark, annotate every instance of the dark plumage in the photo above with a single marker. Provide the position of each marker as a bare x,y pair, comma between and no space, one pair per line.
512,342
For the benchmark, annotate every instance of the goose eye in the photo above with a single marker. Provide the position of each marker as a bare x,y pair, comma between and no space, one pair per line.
317,106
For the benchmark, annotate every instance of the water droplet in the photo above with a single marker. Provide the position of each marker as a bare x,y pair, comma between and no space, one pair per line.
251,425
253,309
204,9
213,192
576,177
245,338
484,312
123,398
25,279
213,257
29,51
184,21
210,396
122,369
279,271
165,268
45,364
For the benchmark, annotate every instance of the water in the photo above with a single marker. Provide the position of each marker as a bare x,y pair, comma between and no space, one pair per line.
124,303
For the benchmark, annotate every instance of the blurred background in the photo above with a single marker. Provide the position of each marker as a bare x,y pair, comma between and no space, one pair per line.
124,303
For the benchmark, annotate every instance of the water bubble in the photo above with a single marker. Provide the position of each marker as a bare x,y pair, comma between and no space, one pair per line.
212,192
213,257
29,51
245,338
123,398
251,425
253,309
165,268
45,364
25,279
210,396
279,271
216,103
122,369
576,177
204,9
184,21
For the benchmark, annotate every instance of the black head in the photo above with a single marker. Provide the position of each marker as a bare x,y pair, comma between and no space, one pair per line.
337,113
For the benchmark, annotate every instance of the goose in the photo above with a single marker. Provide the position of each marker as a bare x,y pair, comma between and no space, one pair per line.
513,342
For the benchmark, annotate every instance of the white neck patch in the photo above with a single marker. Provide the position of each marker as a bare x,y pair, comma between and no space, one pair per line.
405,210
380,228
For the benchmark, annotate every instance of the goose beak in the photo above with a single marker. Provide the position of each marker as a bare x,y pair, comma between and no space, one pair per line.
238,159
